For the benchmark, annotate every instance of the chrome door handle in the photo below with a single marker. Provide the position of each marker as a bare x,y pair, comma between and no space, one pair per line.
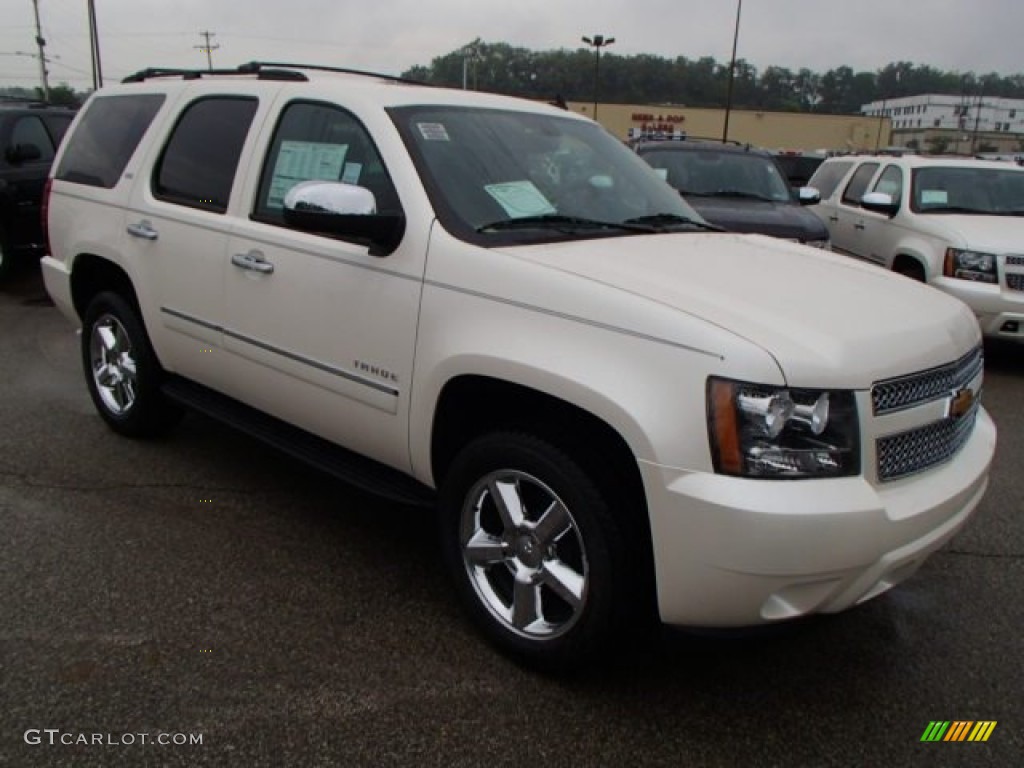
143,229
253,261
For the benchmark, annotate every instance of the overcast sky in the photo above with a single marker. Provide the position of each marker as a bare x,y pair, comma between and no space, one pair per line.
392,35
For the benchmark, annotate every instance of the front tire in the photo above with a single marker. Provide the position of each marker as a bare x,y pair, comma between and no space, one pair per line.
121,369
534,550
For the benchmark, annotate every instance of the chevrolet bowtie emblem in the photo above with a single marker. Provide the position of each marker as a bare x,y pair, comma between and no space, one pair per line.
960,402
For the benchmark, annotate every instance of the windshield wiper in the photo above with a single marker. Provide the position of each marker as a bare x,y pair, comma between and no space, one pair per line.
662,220
739,193
959,209
562,223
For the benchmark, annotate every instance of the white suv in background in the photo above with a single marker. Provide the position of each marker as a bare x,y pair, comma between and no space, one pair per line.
493,306
956,224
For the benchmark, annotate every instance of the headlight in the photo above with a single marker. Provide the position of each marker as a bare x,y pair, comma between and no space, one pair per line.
775,432
970,265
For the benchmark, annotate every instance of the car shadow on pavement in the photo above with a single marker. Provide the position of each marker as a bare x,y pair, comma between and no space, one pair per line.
1004,356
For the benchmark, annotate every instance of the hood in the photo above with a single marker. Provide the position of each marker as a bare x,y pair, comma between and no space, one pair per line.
827,320
763,217
998,234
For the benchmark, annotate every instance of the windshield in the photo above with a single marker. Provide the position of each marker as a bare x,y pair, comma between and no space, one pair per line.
997,191
713,173
497,176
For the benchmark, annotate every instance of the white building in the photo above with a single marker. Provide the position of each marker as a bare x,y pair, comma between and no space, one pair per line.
965,122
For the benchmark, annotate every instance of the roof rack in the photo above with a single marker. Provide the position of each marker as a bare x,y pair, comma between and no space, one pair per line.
264,70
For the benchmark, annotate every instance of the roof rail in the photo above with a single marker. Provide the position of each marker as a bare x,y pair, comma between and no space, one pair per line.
264,70
196,74
258,65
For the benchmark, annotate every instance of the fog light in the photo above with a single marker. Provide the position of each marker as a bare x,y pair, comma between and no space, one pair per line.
1010,326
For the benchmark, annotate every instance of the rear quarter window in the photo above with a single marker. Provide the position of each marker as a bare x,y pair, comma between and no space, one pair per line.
106,137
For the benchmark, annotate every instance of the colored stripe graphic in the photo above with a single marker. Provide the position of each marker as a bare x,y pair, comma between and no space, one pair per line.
982,730
958,730
935,730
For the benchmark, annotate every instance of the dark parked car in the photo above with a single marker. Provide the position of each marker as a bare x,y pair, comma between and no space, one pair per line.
798,167
29,136
738,188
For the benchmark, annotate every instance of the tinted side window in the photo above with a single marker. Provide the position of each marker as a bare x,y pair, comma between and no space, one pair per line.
29,130
199,162
827,178
859,183
321,142
58,127
890,182
106,138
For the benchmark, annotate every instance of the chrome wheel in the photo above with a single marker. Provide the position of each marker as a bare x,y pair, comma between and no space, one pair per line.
524,554
114,371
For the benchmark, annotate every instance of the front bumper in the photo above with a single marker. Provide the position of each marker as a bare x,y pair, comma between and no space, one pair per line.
999,309
736,552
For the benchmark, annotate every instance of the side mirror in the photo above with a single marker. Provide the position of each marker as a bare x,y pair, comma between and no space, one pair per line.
880,202
345,211
808,196
23,153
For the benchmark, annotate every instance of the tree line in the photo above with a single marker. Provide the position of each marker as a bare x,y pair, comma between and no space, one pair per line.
703,82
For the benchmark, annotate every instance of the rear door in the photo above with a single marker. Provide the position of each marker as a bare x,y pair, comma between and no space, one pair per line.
848,227
177,225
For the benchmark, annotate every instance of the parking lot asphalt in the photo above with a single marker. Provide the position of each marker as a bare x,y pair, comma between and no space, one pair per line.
205,585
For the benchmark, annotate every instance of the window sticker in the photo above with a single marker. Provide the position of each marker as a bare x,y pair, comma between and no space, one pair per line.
662,173
520,199
352,173
304,161
934,197
433,131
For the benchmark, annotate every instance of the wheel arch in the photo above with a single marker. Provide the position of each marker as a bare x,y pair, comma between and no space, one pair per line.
91,275
907,263
465,410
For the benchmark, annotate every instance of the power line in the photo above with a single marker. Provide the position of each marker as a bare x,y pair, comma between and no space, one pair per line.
209,49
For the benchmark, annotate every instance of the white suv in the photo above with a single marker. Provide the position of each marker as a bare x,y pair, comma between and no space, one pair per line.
494,306
956,224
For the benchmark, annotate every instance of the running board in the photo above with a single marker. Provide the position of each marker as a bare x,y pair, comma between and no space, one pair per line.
349,467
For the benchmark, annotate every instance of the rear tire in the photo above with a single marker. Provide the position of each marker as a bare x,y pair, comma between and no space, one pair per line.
6,256
121,369
535,551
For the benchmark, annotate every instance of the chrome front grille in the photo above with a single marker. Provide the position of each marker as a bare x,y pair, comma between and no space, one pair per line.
918,449
1015,261
907,391
1015,282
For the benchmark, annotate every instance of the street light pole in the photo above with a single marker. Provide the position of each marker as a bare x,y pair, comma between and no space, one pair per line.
94,46
732,71
598,42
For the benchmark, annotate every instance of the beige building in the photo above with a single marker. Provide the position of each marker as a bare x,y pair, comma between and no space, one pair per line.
771,130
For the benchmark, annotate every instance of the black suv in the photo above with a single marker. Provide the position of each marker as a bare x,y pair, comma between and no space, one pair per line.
737,187
29,136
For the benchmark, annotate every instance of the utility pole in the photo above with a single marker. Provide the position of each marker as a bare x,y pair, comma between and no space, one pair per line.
732,71
977,117
208,49
41,43
94,47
